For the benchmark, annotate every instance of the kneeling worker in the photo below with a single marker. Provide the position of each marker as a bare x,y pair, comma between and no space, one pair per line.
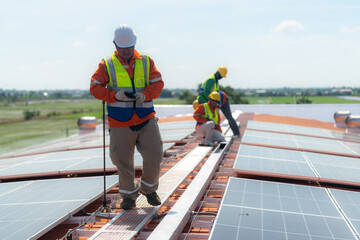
208,119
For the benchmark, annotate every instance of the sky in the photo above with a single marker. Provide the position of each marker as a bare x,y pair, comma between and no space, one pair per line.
58,44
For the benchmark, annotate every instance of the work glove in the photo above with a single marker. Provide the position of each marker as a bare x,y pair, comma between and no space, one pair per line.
120,95
140,97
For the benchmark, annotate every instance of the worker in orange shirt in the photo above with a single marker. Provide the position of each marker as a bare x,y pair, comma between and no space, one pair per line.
208,121
211,84
128,82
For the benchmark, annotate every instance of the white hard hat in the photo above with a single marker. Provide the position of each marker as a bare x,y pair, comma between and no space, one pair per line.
124,36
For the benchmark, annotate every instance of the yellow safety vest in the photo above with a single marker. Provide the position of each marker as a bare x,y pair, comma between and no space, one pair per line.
209,115
203,97
119,79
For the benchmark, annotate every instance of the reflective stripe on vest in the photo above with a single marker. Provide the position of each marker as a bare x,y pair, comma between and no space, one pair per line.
119,79
209,115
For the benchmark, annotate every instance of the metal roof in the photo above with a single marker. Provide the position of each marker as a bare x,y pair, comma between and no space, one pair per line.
306,155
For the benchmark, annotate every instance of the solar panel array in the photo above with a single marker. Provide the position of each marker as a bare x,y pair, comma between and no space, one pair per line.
272,160
336,168
349,203
253,209
169,131
84,159
301,142
315,166
316,132
30,208
287,128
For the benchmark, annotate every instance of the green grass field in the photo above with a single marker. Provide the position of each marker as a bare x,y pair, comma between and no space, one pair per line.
23,134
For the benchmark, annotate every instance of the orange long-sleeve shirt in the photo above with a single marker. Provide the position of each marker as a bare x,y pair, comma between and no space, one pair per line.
200,110
101,79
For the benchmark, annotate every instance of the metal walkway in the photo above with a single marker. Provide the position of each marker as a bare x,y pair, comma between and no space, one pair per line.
128,223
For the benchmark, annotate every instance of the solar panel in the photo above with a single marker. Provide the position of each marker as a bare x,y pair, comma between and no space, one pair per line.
271,153
326,145
254,209
29,209
173,135
349,203
177,125
170,131
271,139
335,167
353,146
58,162
272,160
300,142
321,112
287,128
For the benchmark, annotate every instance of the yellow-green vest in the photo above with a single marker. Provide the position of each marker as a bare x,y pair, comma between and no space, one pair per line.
119,79
209,115
203,97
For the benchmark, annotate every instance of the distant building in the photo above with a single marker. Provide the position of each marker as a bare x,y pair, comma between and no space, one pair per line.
342,91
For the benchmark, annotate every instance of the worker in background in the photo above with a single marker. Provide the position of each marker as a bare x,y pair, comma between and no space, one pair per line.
128,81
208,118
211,84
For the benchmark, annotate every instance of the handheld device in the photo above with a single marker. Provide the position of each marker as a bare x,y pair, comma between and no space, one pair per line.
129,95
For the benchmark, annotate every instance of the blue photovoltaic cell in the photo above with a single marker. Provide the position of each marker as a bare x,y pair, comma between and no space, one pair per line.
271,139
335,167
177,125
272,160
287,128
271,153
170,131
299,142
320,144
31,208
174,135
254,209
345,136
349,203
353,146
274,166
64,161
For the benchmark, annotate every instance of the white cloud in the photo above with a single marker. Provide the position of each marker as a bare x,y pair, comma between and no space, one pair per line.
345,30
291,26
77,44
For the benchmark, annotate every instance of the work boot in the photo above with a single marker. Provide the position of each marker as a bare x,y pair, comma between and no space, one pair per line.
153,199
128,203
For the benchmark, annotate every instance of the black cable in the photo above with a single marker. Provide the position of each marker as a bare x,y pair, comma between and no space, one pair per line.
103,118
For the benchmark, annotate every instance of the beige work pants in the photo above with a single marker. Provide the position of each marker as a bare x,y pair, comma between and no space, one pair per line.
207,130
149,144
